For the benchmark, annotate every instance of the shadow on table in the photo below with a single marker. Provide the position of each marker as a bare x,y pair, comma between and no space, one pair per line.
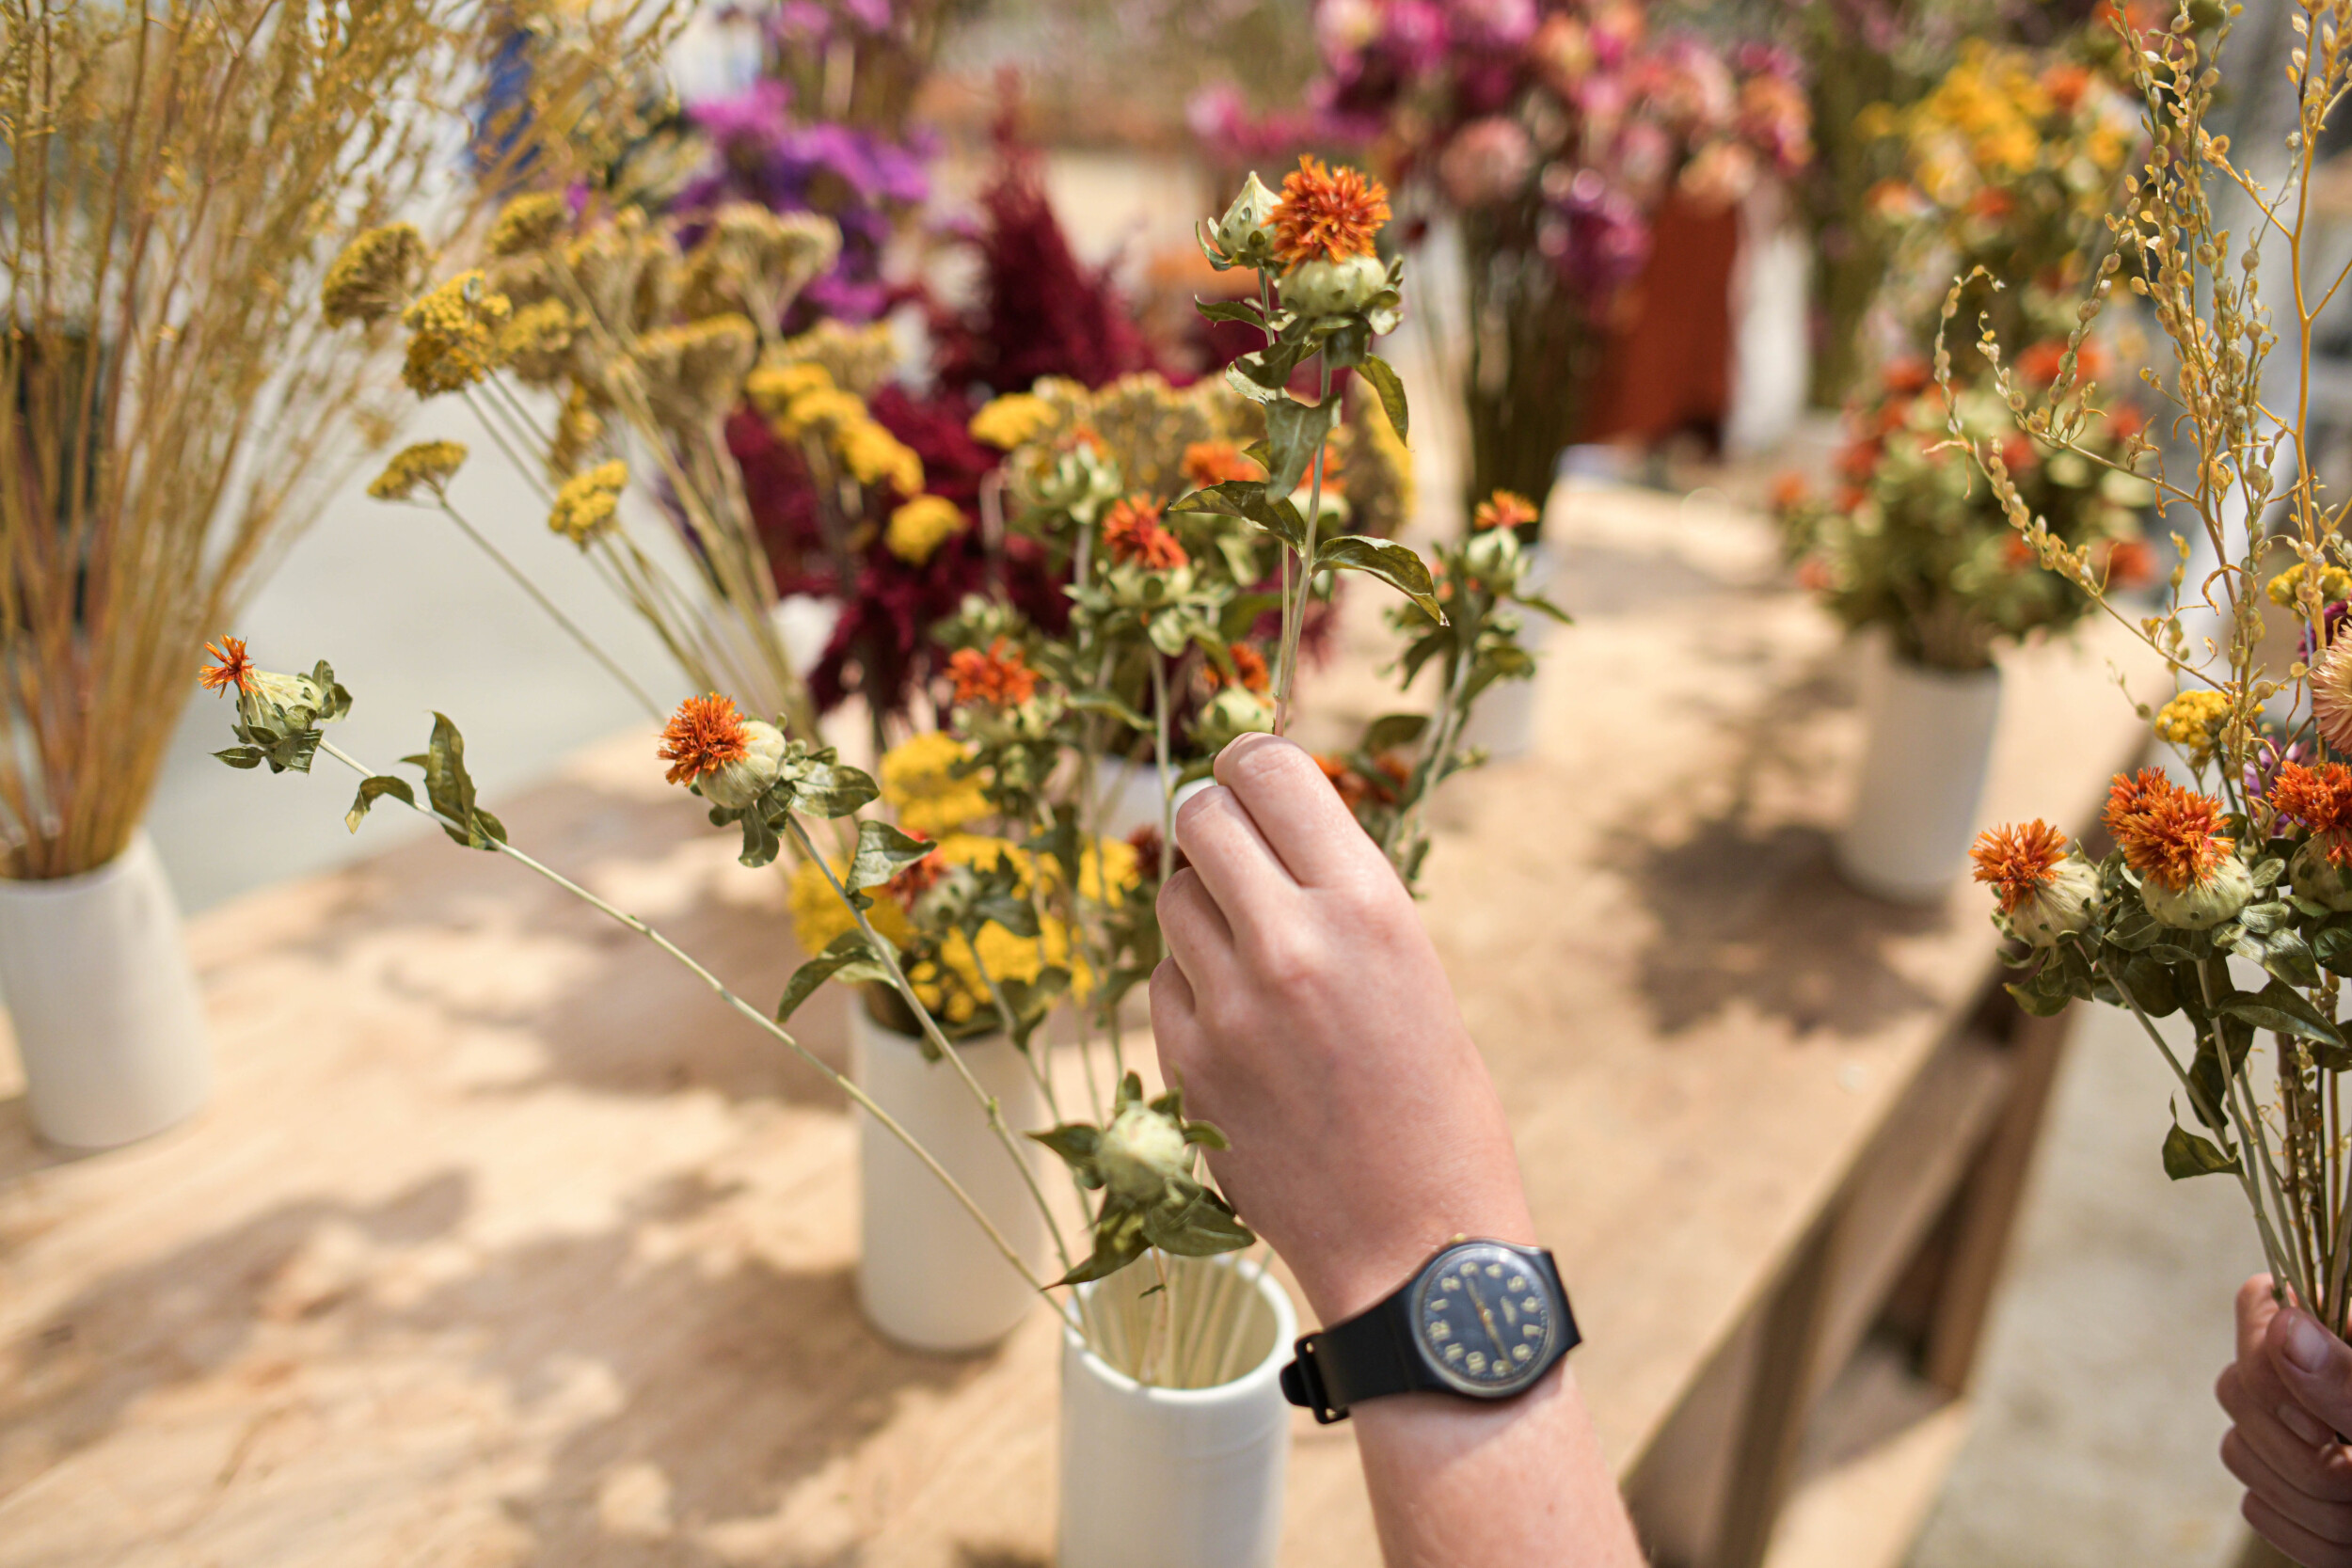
716,1391
639,1023
1750,910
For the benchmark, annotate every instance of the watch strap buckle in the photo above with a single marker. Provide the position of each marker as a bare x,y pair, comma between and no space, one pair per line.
1303,1384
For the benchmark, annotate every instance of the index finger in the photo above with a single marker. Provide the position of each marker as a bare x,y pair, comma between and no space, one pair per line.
1300,816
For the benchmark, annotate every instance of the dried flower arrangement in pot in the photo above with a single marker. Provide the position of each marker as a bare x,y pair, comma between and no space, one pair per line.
2223,900
176,188
1550,136
2011,156
985,898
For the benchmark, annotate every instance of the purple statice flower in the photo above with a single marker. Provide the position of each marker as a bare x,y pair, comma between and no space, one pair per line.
1414,36
860,181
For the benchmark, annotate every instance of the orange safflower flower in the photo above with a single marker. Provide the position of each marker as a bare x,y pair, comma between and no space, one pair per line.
999,678
2019,861
1354,788
2321,799
1789,490
235,668
1132,531
1328,213
916,877
1906,373
1248,666
1208,462
2166,833
702,737
1503,509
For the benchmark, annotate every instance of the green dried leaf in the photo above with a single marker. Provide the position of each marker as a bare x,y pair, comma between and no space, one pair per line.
2185,1154
1246,311
2283,1010
372,788
1295,432
882,852
848,957
1385,382
1391,562
241,756
449,787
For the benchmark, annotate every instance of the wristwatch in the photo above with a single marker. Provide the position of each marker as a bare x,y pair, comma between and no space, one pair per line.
1482,1319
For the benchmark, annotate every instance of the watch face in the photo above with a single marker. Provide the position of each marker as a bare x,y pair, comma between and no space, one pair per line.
1487,1320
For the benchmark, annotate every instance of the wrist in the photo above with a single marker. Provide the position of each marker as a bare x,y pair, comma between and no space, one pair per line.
1352,1278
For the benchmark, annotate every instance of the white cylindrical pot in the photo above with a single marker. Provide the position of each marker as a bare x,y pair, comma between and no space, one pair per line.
928,1275
1178,1478
1928,743
1503,720
1135,798
104,1003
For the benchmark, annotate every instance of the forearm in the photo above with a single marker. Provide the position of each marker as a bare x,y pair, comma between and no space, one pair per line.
1458,1484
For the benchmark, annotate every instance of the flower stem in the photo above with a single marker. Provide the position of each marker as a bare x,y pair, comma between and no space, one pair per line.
1295,613
612,667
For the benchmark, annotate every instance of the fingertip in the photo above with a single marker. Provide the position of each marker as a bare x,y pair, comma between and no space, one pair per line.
2304,1352
1256,752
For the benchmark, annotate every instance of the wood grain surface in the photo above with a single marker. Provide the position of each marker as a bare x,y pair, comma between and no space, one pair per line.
502,1244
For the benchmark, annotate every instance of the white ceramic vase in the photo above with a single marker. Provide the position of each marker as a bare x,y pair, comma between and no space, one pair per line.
1503,721
1178,1478
1927,744
927,1277
103,1001
1135,798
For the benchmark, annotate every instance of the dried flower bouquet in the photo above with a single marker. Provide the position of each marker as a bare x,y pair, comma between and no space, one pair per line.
984,896
2227,900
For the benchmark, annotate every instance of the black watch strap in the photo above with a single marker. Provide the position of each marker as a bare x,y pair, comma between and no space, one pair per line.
1376,1352
1364,1358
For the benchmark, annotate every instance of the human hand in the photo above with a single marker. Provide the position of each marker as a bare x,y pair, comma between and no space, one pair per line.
1304,1012
2288,1393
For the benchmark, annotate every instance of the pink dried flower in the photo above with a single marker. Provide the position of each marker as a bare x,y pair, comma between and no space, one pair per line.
1487,161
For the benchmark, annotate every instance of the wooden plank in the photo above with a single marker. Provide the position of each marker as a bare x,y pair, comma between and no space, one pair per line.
1911,1174
501,1244
1989,1201
1789,1349
1883,1442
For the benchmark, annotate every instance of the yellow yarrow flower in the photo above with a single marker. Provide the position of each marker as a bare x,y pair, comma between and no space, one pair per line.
585,504
2335,584
875,457
529,222
372,278
922,788
453,334
2192,722
1013,420
922,525
774,389
427,465
820,412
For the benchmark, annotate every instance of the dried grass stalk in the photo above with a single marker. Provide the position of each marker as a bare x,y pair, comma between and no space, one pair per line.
178,178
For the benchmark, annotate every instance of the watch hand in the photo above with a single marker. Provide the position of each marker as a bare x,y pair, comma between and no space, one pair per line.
1494,1334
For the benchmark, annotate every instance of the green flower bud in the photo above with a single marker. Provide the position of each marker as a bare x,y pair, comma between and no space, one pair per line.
1234,711
1246,233
1141,1153
737,785
1495,560
2319,879
1322,288
2201,908
2061,909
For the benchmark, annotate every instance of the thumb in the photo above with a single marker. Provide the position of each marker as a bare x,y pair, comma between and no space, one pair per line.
2315,1365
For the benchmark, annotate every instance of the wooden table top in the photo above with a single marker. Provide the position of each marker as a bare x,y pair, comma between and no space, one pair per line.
502,1244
